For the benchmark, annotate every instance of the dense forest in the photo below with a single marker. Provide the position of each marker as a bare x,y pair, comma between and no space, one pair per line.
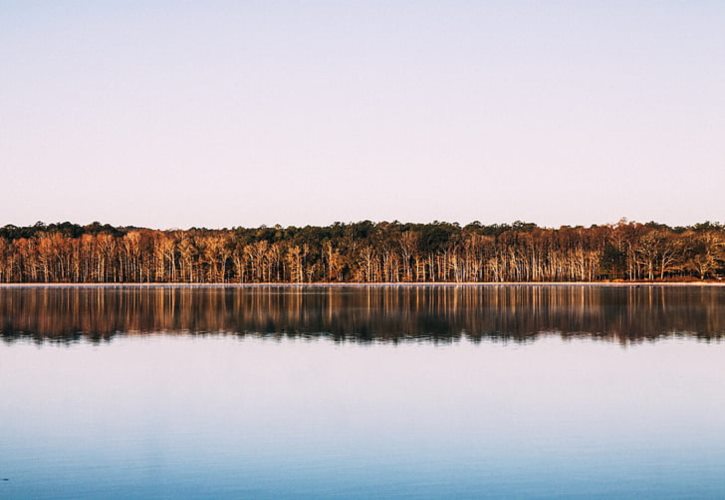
364,252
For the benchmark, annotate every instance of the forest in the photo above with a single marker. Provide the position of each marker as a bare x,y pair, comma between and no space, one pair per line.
362,252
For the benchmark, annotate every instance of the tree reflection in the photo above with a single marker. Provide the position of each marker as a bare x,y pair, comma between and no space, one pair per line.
365,314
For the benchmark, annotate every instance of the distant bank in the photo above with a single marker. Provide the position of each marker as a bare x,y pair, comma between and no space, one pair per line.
363,252
720,283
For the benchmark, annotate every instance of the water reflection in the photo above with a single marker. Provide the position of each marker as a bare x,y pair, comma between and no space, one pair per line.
363,314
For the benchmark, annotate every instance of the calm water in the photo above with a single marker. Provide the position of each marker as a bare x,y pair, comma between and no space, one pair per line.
367,392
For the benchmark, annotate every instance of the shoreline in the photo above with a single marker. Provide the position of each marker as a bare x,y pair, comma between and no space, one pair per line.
370,285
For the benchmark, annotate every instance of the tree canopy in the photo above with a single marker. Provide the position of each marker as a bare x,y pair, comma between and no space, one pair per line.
361,252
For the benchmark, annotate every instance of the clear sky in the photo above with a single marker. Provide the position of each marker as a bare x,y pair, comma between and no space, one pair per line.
179,114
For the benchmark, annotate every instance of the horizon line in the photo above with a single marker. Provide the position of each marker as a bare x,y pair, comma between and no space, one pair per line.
475,223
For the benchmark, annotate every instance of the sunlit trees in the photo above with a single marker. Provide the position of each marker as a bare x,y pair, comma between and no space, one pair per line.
658,252
333,262
706,253
361,252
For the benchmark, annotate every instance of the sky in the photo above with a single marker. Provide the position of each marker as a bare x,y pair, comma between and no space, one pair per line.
220,114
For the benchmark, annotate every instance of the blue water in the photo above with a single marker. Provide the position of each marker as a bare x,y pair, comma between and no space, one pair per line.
172,415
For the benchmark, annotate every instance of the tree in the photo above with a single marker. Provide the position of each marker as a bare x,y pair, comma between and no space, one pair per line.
363,251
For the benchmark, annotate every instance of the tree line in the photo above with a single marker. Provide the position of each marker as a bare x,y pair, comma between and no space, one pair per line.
363,252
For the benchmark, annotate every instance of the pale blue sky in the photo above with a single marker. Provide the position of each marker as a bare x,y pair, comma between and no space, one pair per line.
178,114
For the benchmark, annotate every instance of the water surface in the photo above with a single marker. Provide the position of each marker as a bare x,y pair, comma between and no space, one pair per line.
415,392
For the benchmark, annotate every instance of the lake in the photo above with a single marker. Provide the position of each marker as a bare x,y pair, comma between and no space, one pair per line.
525,391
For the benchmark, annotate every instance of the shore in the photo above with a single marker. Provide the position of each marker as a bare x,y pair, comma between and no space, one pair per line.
362,285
